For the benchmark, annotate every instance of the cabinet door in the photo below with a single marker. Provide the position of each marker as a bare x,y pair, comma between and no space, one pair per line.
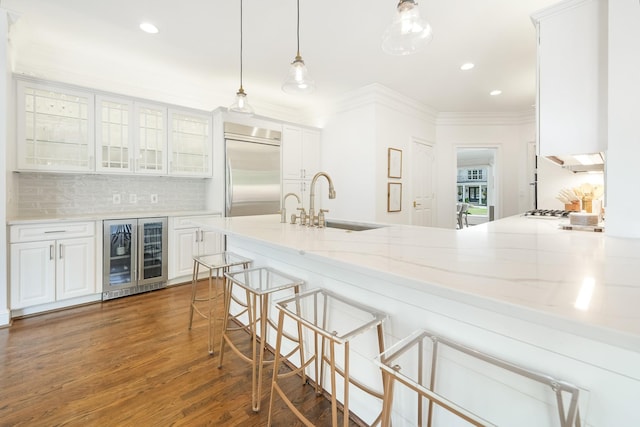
185,245
291,153
75,267
190,146
572,78
310,153
151,144
55,128
33,273
114,134
211,242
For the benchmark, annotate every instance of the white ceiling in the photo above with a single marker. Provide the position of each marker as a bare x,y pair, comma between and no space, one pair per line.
340,43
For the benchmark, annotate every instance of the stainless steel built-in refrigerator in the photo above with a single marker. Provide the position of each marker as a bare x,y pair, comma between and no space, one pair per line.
253,170
135,256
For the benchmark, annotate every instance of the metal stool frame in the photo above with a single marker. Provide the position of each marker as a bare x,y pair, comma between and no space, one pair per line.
220,262
420,338
317,323
256,308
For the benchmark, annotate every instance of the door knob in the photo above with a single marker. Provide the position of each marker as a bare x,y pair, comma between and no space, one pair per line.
416,204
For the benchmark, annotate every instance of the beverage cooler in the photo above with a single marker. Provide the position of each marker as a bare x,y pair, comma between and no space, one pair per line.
135,256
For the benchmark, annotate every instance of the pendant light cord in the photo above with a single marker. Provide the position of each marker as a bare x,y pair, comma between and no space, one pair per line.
298,27
240,44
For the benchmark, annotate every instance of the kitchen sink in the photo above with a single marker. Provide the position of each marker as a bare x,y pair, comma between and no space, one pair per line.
351,226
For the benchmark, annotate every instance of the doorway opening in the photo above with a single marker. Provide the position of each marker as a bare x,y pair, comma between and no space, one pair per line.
476,171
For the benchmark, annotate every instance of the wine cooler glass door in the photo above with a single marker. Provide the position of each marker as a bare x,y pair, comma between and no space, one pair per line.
153,250
120,254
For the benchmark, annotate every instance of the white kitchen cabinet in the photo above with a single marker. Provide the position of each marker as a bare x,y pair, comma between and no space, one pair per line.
150,155
187,241
190,143
62,129
300,152
300,162
55,128
572,77
131,136
51,262
114,134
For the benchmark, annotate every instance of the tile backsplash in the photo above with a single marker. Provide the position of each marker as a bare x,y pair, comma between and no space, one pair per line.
58,195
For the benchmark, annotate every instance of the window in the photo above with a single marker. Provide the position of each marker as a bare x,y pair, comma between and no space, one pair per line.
475,174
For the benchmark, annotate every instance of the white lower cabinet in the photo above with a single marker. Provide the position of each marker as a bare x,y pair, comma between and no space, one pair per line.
187,241
51,263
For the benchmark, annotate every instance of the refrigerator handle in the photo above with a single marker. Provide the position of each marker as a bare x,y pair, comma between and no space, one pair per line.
229,189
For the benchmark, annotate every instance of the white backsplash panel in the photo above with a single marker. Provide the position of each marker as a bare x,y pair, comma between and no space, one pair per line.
61,195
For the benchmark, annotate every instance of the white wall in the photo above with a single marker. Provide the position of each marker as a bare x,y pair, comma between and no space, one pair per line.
509,134
5,99
354,151
398,122
624,108
349,156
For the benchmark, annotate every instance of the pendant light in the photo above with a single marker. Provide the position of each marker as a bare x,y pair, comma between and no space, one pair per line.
408,33
241,105
298,80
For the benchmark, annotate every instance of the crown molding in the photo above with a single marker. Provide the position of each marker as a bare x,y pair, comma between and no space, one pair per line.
486,118
376,93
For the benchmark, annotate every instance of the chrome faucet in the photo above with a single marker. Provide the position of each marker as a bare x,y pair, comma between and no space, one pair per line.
312,196
283,211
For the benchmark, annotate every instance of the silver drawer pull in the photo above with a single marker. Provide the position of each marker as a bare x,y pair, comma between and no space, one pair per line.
55,231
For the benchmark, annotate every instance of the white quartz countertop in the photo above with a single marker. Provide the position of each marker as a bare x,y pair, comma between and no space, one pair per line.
518,266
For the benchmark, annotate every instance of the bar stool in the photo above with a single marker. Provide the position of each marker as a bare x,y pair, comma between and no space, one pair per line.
334,321
258,284
412,362
221,263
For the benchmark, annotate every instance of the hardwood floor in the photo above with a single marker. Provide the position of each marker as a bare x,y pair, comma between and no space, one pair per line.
132,361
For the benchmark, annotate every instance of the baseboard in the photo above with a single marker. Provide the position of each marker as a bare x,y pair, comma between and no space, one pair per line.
58,305
5,318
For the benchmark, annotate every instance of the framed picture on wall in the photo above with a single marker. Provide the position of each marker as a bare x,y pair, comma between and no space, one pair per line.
394,197
394,163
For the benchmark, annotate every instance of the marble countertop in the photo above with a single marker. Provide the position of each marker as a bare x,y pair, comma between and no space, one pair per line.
582,282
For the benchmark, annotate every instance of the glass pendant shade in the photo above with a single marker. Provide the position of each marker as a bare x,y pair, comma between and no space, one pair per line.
298,80
408,33
241,105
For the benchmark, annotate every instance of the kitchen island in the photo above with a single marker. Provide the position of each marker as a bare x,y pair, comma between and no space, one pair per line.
556,301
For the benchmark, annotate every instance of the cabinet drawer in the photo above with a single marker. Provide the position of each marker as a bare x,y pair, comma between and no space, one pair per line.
181,222
63,230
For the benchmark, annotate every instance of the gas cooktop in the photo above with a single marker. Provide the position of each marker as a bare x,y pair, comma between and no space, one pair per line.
547,213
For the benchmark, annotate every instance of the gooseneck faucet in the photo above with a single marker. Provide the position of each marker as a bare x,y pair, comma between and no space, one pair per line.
312,195
283,211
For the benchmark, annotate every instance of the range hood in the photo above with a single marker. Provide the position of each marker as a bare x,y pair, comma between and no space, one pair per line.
593,162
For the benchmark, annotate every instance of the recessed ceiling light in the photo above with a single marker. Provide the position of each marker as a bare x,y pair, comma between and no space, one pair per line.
148,27
495,92
467,66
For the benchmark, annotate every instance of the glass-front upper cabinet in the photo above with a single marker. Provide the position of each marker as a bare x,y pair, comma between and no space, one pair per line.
151,142
114,134
55,128
189,143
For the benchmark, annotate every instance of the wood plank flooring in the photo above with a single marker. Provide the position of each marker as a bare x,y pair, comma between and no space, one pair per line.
132,362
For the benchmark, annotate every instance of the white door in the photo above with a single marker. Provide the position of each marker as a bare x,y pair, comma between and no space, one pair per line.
422,175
